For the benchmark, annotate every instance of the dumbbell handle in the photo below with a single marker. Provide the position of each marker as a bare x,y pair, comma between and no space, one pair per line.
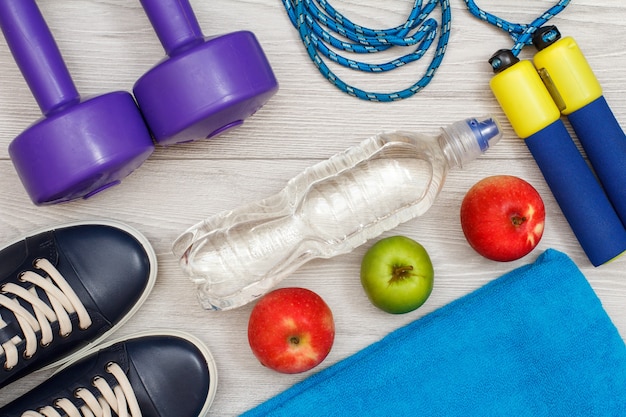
174,23
37,54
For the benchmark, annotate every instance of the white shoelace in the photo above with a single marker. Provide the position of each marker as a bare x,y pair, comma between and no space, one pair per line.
63,301
120,400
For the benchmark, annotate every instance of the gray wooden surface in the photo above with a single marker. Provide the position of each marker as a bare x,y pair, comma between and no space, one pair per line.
108,44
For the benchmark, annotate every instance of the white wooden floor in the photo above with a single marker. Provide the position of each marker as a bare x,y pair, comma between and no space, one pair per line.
108,44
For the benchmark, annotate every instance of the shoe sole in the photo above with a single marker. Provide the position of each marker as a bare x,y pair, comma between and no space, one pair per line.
206,353
152,259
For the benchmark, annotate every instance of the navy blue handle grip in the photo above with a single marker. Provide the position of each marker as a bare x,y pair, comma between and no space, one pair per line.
581,198
605,144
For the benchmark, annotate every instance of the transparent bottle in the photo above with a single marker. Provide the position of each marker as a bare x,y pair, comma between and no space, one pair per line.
329,209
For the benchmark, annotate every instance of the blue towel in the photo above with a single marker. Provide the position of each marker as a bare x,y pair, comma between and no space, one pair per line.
534,342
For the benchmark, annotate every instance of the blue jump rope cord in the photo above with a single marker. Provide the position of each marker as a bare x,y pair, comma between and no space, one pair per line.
318,24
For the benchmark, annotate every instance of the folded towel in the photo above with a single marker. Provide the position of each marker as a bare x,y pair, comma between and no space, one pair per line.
534,342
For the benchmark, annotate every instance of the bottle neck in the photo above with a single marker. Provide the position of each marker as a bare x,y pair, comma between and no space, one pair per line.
451,156
466,140
456,151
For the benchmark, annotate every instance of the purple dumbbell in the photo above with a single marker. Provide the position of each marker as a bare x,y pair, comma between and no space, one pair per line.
205,85
80,146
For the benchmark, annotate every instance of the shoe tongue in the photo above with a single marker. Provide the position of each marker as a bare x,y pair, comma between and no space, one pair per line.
8,326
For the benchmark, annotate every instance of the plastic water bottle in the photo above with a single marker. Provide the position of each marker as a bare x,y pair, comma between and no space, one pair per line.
329,209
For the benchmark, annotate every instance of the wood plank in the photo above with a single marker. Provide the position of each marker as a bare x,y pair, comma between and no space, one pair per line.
108,44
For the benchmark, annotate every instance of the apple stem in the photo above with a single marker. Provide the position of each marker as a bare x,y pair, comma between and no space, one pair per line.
400,272
518,220
294,340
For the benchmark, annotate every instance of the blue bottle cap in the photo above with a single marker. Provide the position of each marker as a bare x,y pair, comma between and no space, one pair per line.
485,131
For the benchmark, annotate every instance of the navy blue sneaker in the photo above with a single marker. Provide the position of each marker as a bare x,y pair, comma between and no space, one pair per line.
162,374
65,289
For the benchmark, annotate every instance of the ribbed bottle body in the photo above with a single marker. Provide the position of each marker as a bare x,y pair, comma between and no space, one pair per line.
329,209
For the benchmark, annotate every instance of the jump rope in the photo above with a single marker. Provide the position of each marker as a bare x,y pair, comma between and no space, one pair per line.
319,25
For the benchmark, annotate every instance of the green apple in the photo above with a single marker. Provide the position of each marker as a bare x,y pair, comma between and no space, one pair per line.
397,274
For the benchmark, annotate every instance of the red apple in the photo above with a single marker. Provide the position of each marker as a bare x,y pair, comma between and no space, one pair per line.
291,330
503,217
